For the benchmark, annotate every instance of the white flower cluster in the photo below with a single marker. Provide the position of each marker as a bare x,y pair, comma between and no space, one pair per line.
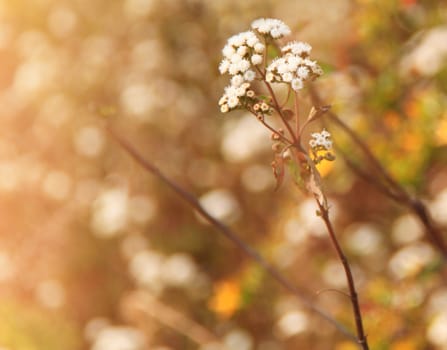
321,140
271,26
244,51
232,95
294,67
241,52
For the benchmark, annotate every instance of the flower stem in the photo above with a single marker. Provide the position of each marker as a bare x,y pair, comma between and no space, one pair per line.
277,107
297,118
361,336
279,111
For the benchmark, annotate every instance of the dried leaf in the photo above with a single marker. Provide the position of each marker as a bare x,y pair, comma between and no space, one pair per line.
317,112
288,114
278,170
313,184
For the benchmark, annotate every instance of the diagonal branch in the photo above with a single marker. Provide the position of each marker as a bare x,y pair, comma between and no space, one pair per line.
230,234
368,177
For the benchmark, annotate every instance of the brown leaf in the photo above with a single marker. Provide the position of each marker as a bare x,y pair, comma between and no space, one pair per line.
317,112
278,170
288,114
313,184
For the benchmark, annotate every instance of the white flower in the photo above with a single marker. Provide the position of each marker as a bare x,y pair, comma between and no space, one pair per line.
276,33
237,80
233,69
317,70
252,39
223,66
228,51
256,59
294,61
235,58
237,40
223,100
294,67
240,53
283,67
249,75
224,108
321,140
231,91
297,84
233,101
240,91
243,65
297,48
302,72
259,48
287,77
242,50
325,133
270,26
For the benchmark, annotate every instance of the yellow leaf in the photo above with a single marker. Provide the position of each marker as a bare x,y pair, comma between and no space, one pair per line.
346,346
405,344
391,120
441,132
411,142
226,299
325,167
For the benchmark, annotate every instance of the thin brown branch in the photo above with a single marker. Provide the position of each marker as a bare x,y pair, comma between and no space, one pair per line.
287,97
368,177
230,234
273,130
297,118
362,340
434,233
279,111
277,107
324,290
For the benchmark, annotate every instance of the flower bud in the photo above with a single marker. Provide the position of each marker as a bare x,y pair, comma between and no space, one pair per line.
276,147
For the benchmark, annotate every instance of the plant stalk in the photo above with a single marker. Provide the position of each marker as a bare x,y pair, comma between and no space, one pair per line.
361,336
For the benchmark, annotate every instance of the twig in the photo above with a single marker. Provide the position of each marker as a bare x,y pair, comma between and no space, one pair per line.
321,291
277,106
362,341
230,234
297,118
368,177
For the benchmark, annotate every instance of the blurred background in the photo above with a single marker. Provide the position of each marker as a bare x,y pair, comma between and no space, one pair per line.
97,254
